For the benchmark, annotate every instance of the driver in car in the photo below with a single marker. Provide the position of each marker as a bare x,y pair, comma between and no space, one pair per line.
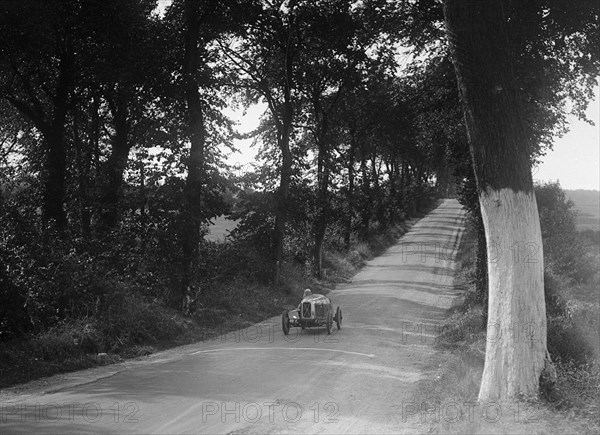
306,294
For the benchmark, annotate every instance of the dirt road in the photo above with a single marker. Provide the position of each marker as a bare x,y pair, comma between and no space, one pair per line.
361,379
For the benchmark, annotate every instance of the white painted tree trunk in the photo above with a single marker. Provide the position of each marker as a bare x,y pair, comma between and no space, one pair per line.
516,335
482,53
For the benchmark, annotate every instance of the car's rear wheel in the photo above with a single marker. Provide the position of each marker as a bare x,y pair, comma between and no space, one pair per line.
285,323
338,318
329,323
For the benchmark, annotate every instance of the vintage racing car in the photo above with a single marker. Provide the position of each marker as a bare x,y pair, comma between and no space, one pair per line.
315,310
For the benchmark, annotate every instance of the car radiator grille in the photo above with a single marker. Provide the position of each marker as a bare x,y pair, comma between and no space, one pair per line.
306,311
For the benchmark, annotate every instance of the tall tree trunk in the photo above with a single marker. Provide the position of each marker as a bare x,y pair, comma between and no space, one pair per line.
366,206
320,223
350,196
481,270
516,354
323,172
283,199
409,190
402,190
83,172
392,179
283,140
54,186
192,213
116,164
143,202
378,199
94,147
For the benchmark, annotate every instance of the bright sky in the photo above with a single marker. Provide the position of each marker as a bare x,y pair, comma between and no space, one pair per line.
575,159
247,122
162,5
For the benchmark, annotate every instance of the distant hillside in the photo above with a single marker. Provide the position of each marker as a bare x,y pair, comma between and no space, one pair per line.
587,204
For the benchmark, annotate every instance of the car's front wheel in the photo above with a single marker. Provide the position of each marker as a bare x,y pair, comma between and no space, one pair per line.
285,323
338,318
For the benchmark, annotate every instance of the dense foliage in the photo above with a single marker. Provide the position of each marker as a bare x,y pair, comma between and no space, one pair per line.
114,137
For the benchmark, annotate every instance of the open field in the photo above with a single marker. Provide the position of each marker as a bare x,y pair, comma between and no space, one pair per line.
219,230
587,204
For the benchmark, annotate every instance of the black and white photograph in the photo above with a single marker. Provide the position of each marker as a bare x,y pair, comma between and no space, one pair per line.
300,217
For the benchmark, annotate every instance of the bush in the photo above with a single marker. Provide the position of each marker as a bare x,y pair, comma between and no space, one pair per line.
577,388
564,251
566,342
66,346
131,319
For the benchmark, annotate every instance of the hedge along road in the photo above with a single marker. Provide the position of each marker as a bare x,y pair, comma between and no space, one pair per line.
360,379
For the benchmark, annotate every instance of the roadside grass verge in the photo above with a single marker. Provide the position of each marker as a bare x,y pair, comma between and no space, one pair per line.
134,325
572,406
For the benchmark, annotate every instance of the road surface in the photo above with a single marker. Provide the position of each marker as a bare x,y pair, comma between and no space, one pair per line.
361,379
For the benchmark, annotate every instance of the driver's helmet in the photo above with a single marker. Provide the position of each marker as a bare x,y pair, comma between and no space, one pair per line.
307,293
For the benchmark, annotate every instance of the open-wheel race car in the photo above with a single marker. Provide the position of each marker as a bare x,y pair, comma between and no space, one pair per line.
315,310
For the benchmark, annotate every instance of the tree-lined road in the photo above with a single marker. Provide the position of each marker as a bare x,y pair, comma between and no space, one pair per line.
358,380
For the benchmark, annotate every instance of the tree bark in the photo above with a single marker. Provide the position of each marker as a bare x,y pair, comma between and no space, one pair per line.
392,200
283,199
378,199
192,213
402,190
481,270
117,162
516,352
366,206
83,172
350,195
320,223
283,140
54,186
143,203
94,147
323,174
